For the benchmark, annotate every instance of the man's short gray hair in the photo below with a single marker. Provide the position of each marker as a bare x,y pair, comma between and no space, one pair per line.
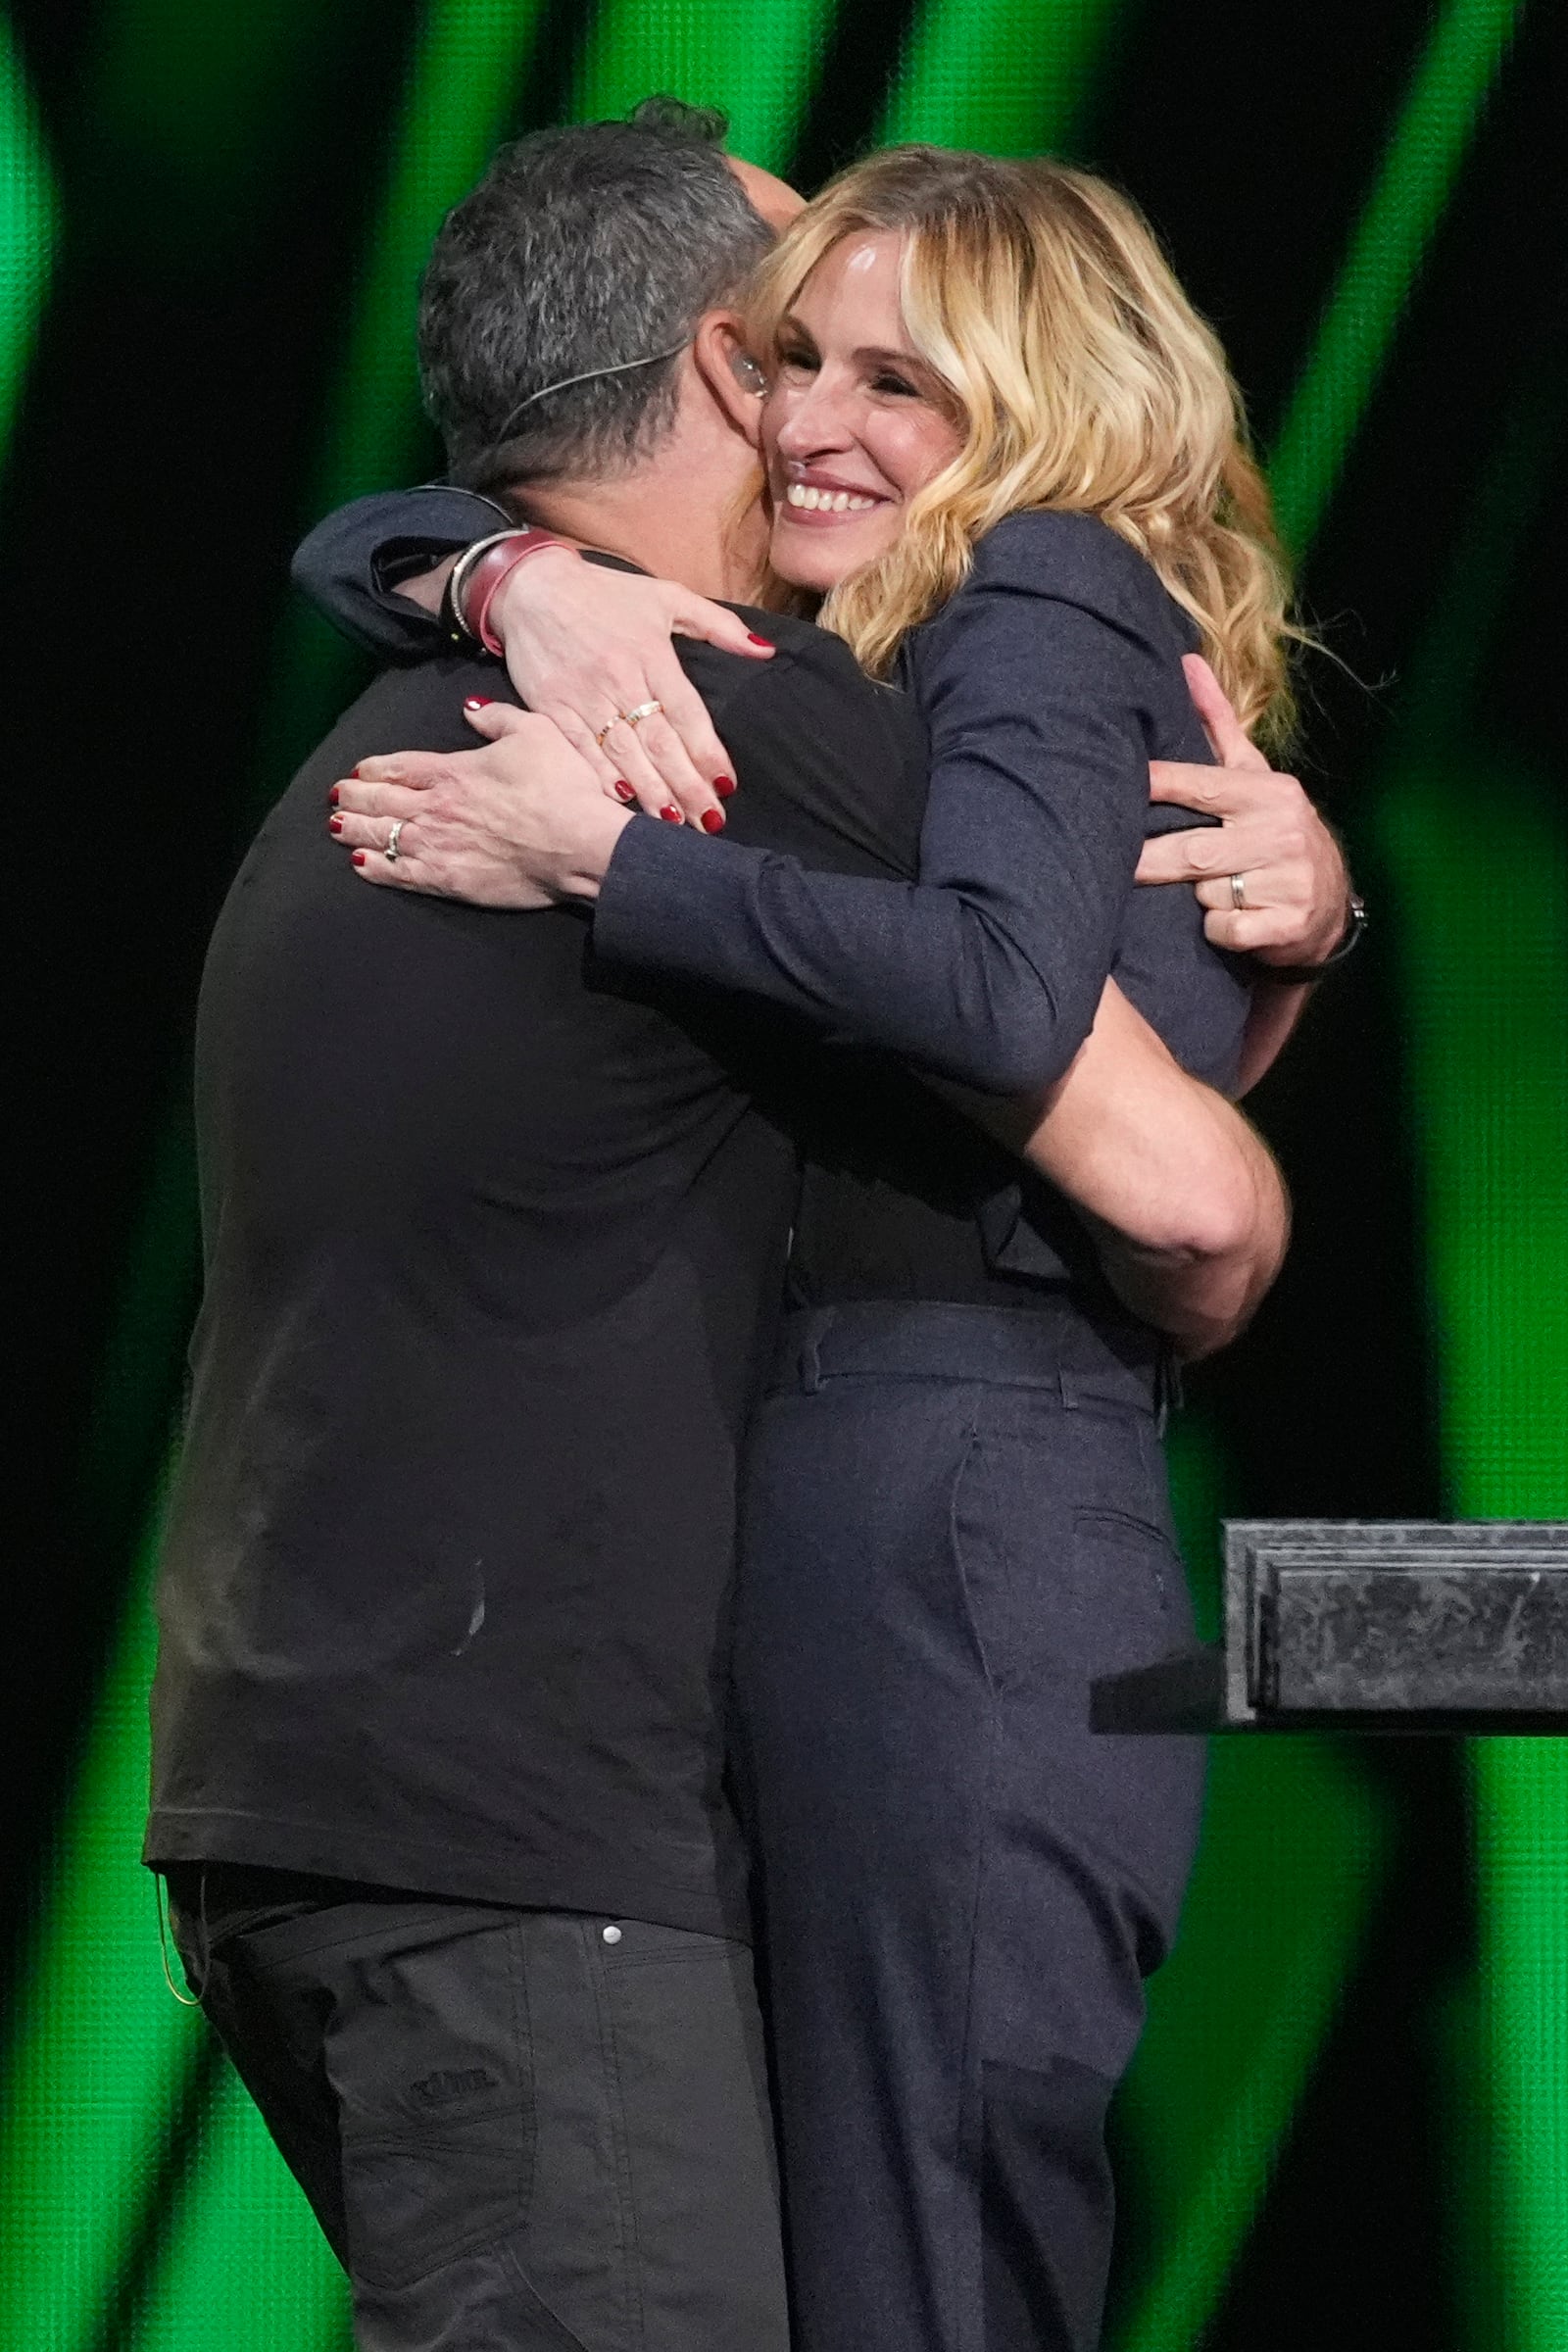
581,249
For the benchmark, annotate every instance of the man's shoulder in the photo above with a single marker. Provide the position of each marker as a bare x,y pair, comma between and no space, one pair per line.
430,696
812,659
813,688
417,709
832,765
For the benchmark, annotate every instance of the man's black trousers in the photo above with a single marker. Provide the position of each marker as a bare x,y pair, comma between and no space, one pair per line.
521,2131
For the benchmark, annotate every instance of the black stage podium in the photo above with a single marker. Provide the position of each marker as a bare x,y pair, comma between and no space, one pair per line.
1365,1625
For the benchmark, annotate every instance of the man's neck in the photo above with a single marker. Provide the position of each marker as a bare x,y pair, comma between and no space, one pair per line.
679,529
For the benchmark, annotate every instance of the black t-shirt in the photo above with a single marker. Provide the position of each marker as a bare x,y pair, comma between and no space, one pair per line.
493,1242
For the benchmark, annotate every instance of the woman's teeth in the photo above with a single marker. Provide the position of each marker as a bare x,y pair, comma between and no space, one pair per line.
837,502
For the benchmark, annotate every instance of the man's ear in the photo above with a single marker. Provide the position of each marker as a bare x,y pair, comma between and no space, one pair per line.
733,378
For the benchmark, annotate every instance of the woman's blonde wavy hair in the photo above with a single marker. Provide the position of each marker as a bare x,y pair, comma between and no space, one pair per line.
1082,379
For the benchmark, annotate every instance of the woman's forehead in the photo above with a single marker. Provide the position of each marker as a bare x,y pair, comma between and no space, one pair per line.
864,264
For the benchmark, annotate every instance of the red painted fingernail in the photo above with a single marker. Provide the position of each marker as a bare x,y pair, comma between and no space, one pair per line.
335,825
713,820
724,786
623,792
478,702
671,817
333,796
358,857
755,640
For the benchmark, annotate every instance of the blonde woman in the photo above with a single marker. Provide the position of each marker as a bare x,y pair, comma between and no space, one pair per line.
1006,455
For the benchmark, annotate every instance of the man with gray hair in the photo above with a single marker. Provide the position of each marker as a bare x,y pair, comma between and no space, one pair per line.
492,1247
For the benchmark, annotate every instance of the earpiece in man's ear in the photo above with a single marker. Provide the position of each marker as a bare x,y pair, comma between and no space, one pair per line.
746,372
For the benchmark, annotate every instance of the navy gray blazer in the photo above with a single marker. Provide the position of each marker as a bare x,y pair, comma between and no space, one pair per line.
1047,684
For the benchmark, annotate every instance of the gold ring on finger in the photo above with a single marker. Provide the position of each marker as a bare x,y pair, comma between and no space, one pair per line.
628,719
392,853
1239,892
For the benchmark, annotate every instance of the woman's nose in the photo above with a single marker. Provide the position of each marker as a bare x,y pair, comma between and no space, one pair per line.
815,420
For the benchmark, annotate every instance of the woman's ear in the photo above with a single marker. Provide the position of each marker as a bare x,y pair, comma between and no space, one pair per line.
733,376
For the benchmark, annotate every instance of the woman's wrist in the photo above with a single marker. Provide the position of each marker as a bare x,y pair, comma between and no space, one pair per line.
483,570
597,836
1345,941
526,598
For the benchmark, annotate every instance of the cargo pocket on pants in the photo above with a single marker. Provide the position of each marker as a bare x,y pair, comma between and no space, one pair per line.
431,2066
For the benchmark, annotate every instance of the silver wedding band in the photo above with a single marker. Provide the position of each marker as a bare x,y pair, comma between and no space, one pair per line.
392,853
1239,892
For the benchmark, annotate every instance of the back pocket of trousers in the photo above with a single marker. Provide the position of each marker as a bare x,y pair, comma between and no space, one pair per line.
1129,1600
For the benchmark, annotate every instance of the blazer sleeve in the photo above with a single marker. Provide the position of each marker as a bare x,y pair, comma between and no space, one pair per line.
349,566
1037,683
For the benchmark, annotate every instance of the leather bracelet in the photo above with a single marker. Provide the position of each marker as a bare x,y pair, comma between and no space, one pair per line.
479,571
455,601
1301,975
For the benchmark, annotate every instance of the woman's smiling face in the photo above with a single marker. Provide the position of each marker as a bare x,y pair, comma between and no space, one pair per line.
856,423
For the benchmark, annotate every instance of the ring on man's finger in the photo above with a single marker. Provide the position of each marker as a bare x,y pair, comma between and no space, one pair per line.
392,853
1239,892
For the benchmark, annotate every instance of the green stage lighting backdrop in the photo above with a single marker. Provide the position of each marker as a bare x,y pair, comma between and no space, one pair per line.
1350,2118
